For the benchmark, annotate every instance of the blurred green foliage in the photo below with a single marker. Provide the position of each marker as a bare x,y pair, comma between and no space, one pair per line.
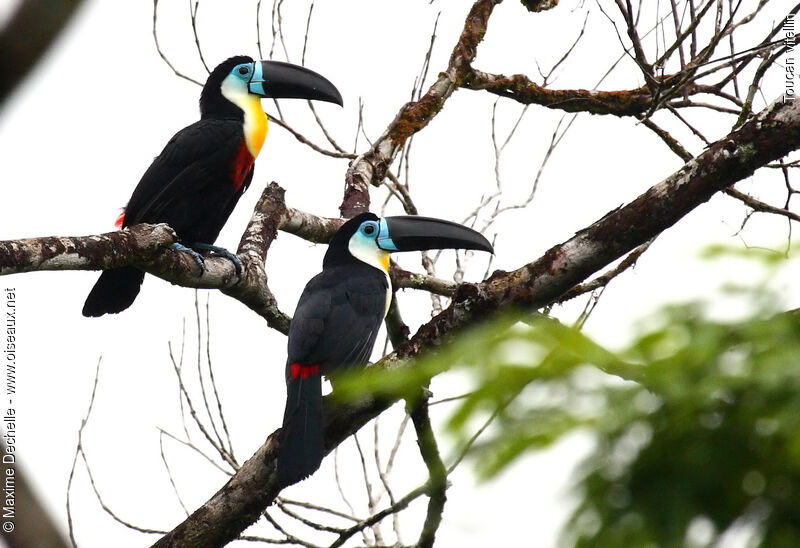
696,422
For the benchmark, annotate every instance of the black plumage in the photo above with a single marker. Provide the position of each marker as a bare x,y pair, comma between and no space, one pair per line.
196,181
335,326
193,185
338,318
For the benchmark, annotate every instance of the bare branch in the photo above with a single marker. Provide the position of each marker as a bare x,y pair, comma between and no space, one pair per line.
316,508
758,205
139,243
307,522
404,279
185,393
769,136
370,167
338,153
437,475
519,87
197,450
193,15
602,280
161,52
39,22
214,382
377,517
78,449
169,472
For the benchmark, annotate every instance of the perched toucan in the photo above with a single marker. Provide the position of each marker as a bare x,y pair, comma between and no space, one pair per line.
338,317
194,184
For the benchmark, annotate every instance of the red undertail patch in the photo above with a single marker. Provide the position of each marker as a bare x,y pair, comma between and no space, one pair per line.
304,371
120,219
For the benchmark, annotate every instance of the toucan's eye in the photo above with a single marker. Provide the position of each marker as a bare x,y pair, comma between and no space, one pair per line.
243,70
368,229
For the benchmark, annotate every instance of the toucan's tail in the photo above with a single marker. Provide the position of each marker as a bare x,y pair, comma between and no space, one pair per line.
302,445
114,291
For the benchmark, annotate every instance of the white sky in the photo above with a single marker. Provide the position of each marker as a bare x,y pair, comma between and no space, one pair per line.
83,128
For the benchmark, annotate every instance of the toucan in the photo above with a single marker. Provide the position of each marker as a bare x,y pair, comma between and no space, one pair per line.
338,317
194,184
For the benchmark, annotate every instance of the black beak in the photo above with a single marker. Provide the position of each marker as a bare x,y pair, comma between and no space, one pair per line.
413,233
280,80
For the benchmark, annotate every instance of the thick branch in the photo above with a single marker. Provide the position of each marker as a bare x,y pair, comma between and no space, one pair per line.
110,250
253,289
403,279
244,497
771,135
633,102
437,474
147,247
309,227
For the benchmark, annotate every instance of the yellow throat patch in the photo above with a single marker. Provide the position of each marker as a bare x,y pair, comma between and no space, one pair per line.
256,124
384,259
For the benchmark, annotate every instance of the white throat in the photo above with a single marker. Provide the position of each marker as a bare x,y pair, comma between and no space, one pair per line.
368,252
255,120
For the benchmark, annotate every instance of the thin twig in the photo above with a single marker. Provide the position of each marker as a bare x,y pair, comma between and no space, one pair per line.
193,13
220,450
169,473
214,382
78,449
161,52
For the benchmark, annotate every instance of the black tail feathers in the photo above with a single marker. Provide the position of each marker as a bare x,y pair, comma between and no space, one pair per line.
114,291
302,444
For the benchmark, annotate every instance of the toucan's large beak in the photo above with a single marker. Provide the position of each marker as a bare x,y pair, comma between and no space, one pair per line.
413,233
280,80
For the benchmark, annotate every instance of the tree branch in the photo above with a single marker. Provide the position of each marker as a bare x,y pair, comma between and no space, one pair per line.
437,474
371,167
148,247
27,36
633,102
402,279
769,136
140,243
758,205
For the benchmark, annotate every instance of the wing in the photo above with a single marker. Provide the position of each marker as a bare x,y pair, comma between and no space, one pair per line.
338,318
195,161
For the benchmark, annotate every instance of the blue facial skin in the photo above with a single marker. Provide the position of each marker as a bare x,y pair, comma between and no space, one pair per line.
366,236
384,240
256,81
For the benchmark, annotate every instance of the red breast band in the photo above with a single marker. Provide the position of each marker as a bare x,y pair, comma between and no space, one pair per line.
242,164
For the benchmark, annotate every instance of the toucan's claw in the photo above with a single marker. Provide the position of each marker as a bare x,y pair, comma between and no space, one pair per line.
177,246
222,252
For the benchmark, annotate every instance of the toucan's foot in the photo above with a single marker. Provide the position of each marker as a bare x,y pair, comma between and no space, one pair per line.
222,252
177,246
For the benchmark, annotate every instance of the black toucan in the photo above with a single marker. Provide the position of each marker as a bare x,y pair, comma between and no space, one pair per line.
338,317
194,184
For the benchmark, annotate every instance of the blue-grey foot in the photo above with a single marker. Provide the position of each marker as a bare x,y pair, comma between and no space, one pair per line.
222,252
177,246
